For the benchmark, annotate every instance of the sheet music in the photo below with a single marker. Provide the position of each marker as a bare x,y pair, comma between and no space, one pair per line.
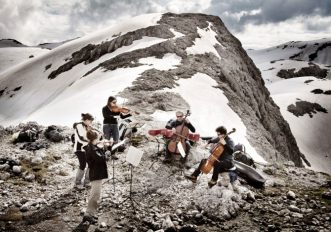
119,144
181,149
134,156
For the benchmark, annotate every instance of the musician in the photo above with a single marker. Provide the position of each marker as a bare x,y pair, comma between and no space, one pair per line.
172,124
96,159
80,141
110,114
225,161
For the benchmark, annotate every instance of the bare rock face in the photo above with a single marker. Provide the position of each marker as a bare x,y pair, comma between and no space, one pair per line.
311,70
303,107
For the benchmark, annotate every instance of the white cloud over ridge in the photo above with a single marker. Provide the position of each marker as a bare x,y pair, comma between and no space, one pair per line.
39,21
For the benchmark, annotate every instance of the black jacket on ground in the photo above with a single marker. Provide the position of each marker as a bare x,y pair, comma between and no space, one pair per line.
109,117
228,148
96,160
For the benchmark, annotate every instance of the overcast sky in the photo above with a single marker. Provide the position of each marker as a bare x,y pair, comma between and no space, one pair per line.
257,23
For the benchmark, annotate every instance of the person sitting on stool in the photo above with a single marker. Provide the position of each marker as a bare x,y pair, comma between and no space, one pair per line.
225,161
172,124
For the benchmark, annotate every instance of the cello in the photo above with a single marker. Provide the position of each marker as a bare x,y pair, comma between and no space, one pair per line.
179,136
215,154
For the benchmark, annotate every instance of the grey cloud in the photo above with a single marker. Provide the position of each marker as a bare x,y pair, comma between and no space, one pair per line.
94,10
316,26
13,18
72,18
271,11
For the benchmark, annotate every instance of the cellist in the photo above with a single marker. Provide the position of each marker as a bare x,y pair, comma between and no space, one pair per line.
224,162
172,124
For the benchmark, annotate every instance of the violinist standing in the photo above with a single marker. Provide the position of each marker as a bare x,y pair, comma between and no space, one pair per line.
172,124
111,112
81,140
96,159
224,162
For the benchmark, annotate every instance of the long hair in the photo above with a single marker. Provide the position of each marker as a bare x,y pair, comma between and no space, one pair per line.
110,99
87,116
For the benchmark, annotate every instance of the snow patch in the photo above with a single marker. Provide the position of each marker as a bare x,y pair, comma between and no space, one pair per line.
169,61
205,43
176,33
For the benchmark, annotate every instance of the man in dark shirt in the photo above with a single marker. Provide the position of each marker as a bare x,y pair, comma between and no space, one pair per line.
172,124
224,162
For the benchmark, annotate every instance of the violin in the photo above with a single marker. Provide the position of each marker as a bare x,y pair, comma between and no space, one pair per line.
123,110
179,136
216,152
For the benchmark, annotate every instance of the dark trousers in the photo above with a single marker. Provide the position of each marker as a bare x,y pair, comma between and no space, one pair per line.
221,166
168,153
82,159
111,131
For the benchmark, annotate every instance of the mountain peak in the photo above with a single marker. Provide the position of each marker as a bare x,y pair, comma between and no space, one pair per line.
143,60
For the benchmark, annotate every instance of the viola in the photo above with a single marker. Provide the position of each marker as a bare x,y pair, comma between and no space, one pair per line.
179,136
216,152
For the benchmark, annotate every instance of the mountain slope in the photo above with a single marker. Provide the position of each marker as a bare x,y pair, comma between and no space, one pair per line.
13,52
297,75
159,64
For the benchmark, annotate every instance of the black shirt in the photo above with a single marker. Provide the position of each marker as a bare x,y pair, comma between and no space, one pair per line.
110,116
96,160
228,148
174,123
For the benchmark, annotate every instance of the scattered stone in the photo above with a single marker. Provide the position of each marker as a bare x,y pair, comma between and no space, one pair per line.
326,195
4,176
66,219
30,177
12,214
5,167
167,223
270,170
17,169
293,208
297,215
36,161
291,195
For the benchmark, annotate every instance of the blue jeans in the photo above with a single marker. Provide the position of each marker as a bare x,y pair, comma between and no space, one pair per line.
111,131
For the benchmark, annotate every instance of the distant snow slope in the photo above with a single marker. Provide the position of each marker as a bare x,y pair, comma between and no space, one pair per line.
312,133
11,56
32,90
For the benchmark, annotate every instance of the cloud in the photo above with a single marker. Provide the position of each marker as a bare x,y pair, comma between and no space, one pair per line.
272,34
38,21
98,13
266,11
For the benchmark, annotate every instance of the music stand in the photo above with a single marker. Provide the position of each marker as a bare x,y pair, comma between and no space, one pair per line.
133,157
113,163
114,178
158,151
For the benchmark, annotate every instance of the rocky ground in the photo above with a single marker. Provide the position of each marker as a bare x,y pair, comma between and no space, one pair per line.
37,194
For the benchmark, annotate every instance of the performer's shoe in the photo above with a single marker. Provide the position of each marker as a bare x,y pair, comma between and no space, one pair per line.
90,219
191,178
211,183
167,160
